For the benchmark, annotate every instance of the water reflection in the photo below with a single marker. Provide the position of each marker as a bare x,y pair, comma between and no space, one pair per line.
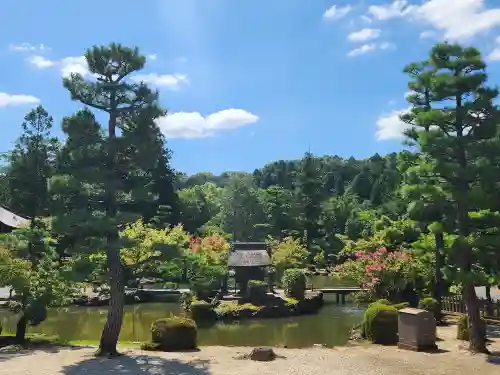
330,327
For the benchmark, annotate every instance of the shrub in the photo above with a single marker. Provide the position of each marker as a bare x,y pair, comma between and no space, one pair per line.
379,273
231,310
294,283
401,305
256,291
174,333
463,329
202,311
380,324
431,305
185,300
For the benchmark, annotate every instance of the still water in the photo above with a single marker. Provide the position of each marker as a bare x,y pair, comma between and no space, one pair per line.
330,326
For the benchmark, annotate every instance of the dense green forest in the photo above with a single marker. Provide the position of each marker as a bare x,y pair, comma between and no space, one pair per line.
102,199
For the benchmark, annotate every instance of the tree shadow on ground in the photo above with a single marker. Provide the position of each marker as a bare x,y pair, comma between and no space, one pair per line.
137,365
493,358
10,348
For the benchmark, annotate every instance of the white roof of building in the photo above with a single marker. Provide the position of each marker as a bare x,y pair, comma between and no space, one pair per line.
12,220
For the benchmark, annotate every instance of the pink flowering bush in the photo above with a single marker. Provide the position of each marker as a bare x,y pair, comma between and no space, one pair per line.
381,274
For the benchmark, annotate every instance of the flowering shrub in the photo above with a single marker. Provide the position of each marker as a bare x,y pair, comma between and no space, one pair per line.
215,247
381,274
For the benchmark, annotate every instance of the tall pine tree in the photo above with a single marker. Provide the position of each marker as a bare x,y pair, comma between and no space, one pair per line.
452,134
105,172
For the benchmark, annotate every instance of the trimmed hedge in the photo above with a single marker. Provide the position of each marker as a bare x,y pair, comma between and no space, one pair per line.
463,329
294,283
173,334
257,291
380,324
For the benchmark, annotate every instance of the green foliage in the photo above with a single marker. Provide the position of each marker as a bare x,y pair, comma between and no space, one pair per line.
148,249
232,310
380,324
288,253
463,328
29,265
429,304
294,283
256,291
174,334
30,164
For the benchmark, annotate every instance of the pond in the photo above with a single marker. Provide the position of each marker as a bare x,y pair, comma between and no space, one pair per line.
330,326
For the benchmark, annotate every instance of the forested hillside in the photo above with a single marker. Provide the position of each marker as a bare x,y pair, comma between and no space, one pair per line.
315,198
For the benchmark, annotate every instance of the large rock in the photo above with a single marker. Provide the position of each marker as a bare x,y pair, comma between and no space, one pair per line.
262,354
312,302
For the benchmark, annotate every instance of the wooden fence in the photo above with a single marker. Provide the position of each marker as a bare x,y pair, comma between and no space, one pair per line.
455,305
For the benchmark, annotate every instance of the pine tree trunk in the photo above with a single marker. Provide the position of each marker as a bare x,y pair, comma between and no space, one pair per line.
438,275
477,340
112,328
21,328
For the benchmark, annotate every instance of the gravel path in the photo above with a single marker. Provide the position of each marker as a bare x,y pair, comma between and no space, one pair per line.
358,360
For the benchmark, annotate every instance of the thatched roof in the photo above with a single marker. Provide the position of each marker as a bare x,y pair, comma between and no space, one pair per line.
248,254
248,258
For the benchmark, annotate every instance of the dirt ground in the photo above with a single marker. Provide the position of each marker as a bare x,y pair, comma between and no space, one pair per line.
362,359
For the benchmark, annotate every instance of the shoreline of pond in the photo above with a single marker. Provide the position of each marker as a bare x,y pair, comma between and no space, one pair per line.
331,326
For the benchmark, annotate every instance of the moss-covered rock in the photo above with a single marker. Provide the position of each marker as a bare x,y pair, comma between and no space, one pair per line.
380,324
310,304
294,282
202,312
174,334
257,291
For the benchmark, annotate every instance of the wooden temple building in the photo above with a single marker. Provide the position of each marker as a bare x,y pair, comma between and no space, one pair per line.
249,261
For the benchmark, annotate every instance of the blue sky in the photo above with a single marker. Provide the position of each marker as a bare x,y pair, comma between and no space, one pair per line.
246,82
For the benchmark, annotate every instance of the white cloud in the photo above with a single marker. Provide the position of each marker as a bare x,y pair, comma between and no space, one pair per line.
390,126
7,100
427,34
172,81
365,48
370,47
399,8
41,62
74,64
364,35
494,55
386,46
152,57
27,47
191,125
335,13
78,64
366,19
67,65
456,20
